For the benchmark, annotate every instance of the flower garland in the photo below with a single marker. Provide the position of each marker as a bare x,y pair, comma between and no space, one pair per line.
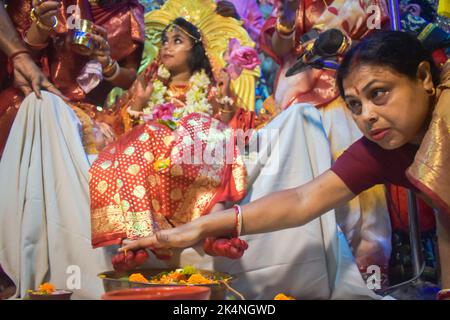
196,97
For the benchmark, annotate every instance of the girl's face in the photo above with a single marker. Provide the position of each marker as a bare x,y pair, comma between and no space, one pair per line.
389,108
176,50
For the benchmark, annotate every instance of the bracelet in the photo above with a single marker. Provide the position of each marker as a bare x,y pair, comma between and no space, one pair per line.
225,100
133,113
109,66
443,294
286,36
19,52
115,74
221,110
239,219
38,46
40,25
282,29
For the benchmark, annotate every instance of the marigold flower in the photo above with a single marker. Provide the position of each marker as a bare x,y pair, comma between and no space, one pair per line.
282,296
46,288
137,277
199,279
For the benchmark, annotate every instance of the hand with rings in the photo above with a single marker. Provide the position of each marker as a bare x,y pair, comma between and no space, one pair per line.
102,50
44,14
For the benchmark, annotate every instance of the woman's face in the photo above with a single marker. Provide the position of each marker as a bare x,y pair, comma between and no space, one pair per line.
389,108
176,50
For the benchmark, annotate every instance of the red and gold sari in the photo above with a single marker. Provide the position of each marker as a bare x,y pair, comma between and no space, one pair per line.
143,183
124,22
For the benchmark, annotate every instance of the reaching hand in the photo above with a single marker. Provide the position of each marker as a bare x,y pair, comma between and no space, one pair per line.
28,77
181,237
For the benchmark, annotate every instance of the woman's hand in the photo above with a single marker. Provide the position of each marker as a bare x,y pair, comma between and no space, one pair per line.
287,11
103,135
46,12
141,94
29,78
227,9
184,236
102,50
107,132
223,83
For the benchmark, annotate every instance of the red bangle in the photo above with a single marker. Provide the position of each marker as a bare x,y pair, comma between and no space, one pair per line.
15,54
443,294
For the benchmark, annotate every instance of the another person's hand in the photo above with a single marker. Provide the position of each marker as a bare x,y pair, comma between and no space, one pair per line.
102,50
224,83
183,236
287,11
227,9
29,78
103,135
107,132
46,11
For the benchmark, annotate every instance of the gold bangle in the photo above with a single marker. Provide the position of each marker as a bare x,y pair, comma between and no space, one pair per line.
40,25
283,29
109,67
114,74
225,100
36,46
221,110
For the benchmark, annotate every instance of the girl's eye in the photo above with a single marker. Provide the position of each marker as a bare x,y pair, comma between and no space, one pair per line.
178,41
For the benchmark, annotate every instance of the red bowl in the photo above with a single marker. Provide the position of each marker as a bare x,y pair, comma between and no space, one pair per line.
160,293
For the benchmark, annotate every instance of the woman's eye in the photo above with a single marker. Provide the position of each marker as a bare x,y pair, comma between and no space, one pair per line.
178,41
354,106
379,96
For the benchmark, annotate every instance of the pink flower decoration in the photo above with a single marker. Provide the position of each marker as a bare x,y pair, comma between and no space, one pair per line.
240,57
164,111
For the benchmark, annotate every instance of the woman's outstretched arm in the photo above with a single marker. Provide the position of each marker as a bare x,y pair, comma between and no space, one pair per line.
280,210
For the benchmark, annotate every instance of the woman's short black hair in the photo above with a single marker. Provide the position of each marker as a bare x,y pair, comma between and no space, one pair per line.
198,60
400,51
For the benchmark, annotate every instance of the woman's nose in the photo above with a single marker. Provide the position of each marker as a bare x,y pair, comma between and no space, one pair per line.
369,114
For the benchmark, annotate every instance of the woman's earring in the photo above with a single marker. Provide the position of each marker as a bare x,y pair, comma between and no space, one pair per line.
431,92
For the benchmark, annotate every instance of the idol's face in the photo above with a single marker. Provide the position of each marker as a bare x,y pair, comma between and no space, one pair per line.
176,50
389,108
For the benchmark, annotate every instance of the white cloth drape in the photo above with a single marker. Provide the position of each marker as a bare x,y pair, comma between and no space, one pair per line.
44,202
